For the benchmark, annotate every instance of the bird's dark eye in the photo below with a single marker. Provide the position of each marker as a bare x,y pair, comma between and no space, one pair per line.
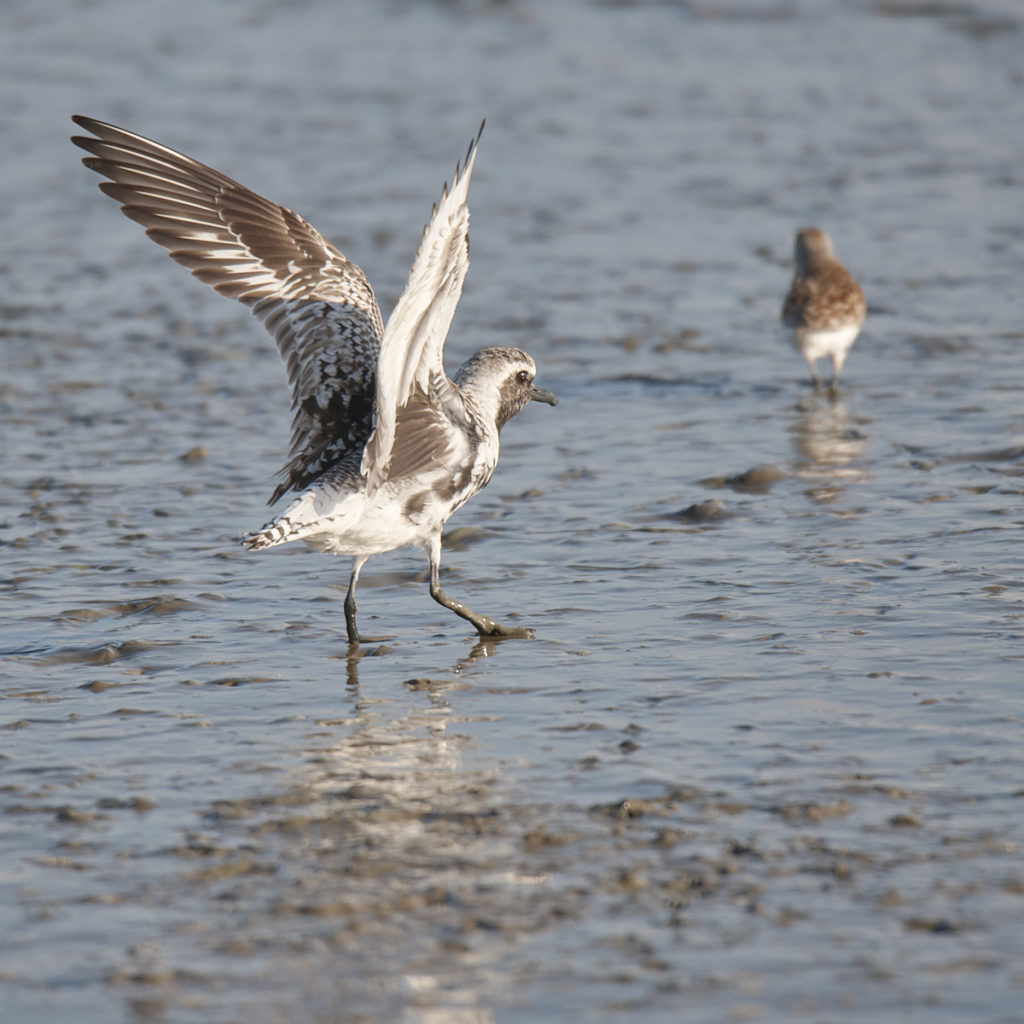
523,376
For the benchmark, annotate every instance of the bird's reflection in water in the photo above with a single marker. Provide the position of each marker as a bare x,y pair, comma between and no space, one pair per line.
483,647
398,832
829,444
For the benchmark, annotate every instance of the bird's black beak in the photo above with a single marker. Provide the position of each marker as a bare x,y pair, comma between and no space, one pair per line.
540,395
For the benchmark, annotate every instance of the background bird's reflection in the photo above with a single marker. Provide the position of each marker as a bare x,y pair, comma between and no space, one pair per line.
829,444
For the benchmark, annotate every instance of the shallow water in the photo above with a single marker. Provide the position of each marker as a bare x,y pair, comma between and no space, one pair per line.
762,761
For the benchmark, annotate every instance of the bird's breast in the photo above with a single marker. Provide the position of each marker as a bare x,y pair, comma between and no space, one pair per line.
430,499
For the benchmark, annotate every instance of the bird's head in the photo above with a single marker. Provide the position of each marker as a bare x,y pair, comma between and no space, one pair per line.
501,381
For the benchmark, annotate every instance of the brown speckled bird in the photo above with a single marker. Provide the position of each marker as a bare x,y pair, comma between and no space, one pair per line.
825,307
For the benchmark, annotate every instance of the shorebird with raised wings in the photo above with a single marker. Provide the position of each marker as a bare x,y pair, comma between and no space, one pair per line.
385,447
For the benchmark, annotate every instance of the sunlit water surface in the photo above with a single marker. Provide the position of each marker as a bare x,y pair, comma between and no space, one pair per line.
762,761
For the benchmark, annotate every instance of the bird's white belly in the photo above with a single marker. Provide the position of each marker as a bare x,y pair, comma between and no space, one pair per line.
339,517
364,526
818,344
401,514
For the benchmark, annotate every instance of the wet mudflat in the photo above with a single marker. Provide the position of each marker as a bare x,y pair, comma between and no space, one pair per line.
763,759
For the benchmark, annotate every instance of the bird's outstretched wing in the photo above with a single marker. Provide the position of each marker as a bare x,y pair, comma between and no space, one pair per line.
317,304
412,348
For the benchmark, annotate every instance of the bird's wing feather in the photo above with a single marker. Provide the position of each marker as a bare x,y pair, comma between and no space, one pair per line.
793,307
825,300
317,305
411,353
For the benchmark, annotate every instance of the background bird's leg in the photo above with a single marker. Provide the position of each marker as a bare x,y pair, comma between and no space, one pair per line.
483,624
837,365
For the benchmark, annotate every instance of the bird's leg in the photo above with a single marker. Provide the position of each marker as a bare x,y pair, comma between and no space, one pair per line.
351,607
350,600
483,624
815,379
837,364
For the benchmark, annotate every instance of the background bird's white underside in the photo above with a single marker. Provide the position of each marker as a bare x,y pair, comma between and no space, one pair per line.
818,344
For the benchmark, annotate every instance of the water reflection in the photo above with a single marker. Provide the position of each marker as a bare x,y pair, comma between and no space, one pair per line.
407,848
828,445
380,845
483,647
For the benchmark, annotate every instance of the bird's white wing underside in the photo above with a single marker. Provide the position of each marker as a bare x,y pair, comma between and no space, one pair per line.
411,352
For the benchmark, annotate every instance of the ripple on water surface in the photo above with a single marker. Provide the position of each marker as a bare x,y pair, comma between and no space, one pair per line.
762,760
